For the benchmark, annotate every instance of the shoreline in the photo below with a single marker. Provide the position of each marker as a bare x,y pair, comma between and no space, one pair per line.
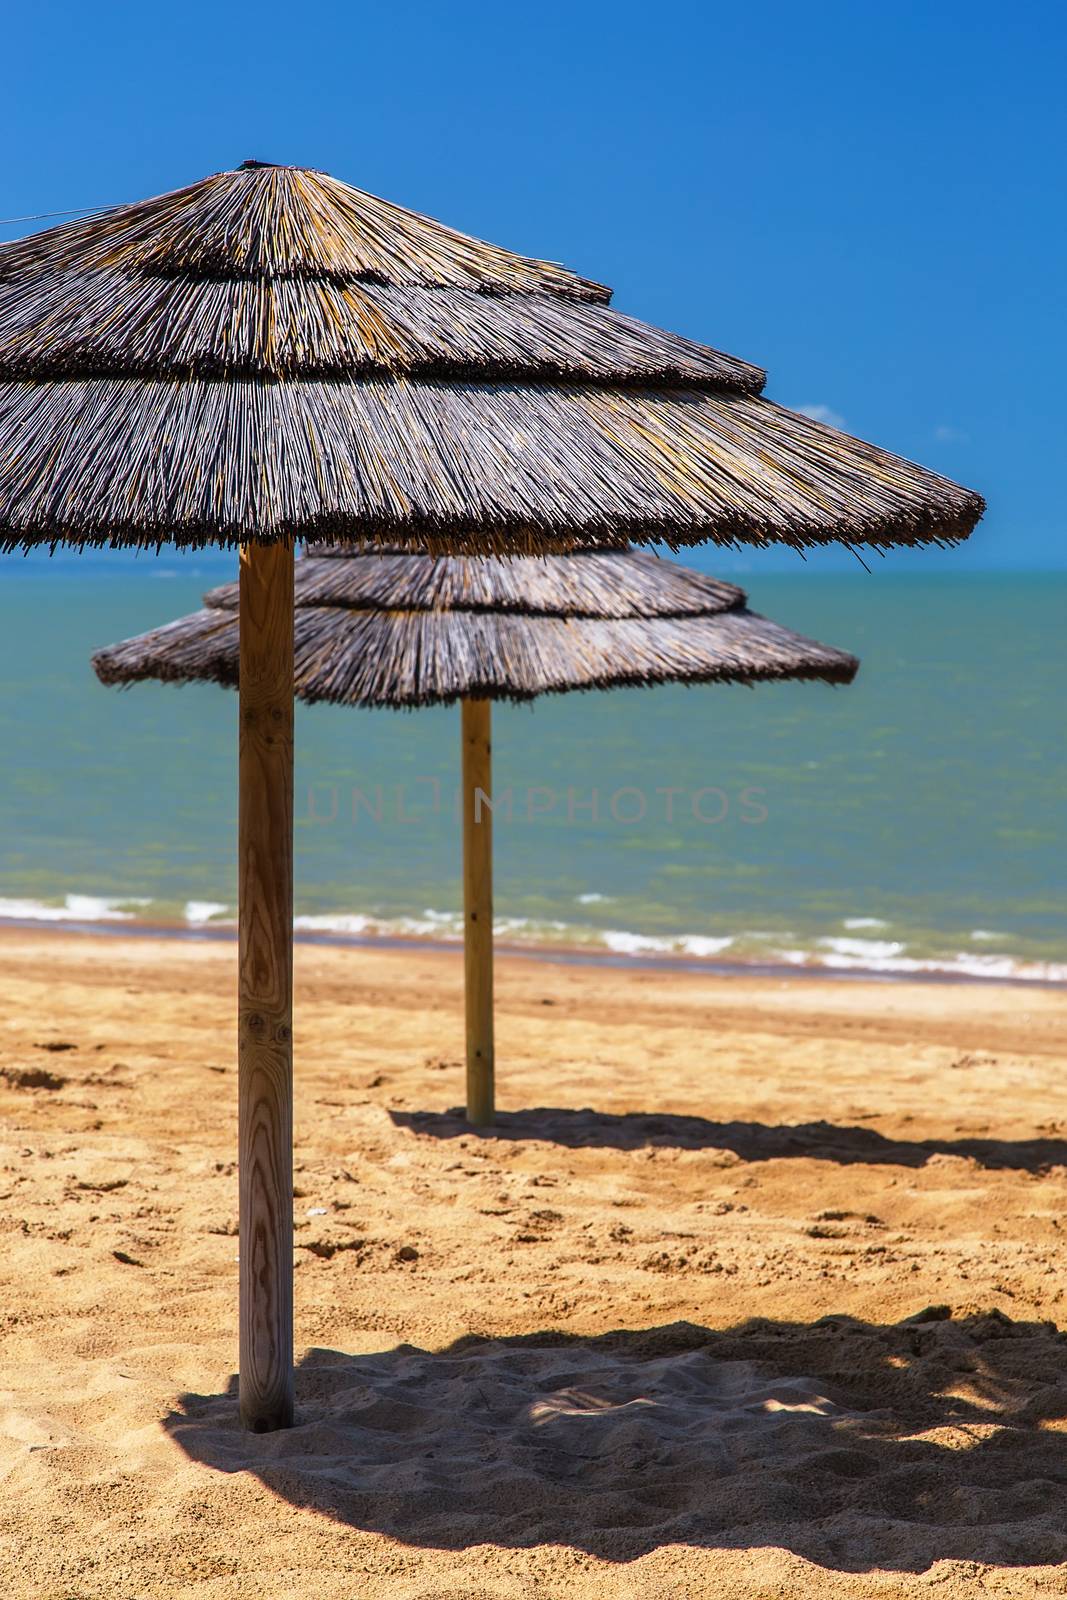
545,952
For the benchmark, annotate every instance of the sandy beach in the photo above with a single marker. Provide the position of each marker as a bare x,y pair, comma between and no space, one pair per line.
753,1291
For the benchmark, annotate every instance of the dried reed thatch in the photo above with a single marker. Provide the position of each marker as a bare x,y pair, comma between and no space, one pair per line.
270,354
409,630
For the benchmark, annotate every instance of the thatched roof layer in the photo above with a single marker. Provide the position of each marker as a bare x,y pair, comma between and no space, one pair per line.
405,659
293,328
613,583
272,354
478,467
494,629
269,221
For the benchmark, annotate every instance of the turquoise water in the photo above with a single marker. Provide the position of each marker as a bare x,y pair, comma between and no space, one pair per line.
915,818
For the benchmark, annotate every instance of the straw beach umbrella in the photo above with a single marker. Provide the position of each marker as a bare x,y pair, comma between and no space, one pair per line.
402,630
270,355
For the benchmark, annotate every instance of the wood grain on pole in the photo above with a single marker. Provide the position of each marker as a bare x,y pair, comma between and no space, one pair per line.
265,1004
478,908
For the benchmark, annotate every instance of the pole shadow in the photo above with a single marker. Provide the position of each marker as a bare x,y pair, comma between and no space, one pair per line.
857,1446
751,1141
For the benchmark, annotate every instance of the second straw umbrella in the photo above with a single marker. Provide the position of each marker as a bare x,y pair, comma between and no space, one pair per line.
403,630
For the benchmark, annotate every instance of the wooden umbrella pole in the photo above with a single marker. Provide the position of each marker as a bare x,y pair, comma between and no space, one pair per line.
478,908
265,1002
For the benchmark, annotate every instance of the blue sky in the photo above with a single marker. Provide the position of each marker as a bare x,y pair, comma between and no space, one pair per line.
865,199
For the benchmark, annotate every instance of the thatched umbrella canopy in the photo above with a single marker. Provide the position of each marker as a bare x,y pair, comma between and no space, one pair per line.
270,355
405,630
402,630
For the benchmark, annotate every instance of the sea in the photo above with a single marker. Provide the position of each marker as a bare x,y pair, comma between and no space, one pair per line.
911,823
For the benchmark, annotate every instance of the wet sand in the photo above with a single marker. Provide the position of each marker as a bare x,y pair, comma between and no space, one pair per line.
753,1291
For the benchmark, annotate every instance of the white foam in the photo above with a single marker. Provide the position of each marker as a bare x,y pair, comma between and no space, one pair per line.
197,912
355,924
633,944
638,944
829,953
864,949
335,922
75,908
960,965
591,899
699,944
528,927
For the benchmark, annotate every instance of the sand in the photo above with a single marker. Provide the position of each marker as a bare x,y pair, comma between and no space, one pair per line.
777,1316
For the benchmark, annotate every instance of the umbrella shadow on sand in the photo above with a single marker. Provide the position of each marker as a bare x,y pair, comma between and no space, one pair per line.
856,1446
750,1141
